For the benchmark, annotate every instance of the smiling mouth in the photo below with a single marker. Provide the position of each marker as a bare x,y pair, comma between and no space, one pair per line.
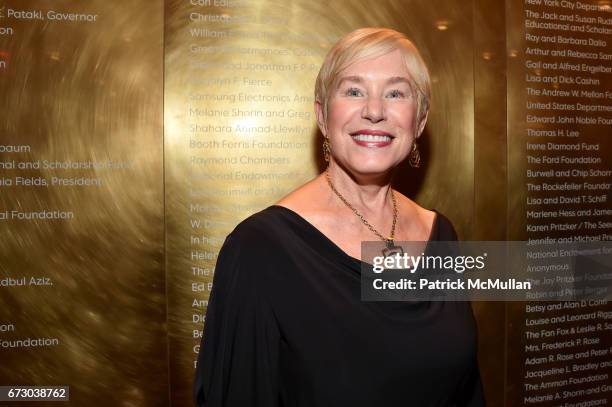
372,138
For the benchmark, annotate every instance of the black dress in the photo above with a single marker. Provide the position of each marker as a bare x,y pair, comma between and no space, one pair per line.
286,327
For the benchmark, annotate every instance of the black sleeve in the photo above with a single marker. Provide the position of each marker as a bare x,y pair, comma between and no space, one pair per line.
477,396
472,394
238,359
446,230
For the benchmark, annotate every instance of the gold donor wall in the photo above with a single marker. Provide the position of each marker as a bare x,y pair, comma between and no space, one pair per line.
136,135
560,173
240,131
82,291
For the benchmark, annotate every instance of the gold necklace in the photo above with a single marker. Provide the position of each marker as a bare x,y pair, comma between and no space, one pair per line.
389,241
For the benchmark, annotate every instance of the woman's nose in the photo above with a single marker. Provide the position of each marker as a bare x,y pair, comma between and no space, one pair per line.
374,110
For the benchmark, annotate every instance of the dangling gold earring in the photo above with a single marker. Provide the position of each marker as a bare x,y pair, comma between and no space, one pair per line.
326,149
414,158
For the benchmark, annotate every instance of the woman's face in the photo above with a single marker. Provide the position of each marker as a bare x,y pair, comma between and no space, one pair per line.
371,115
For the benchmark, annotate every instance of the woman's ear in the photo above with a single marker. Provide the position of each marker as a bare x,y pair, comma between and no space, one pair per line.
422,123
320,117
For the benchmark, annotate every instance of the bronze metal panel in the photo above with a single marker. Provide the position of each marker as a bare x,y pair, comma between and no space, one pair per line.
490,179
554,144
218,51
76,89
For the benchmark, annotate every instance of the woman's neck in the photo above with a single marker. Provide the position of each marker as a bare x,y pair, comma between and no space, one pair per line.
367,193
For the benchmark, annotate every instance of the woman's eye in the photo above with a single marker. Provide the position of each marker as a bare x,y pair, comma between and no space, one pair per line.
395,94
353,92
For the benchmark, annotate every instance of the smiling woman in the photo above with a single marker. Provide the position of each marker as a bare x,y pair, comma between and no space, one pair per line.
375,104
286,325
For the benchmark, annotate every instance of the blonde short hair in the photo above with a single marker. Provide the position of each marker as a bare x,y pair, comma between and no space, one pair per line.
367,43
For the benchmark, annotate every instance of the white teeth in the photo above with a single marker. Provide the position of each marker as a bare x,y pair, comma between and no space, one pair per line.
372,137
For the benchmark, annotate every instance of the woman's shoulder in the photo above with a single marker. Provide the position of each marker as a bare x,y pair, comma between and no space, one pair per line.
443,228
261,226
254,239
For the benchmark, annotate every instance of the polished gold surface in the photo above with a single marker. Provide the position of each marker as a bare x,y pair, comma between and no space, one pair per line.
444,34
490,169
215,175
83,90
218,53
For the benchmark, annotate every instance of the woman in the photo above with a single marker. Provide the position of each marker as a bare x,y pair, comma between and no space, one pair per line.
285,325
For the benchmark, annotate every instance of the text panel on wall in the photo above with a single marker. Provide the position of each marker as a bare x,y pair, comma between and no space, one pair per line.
240,130
559,178
82,296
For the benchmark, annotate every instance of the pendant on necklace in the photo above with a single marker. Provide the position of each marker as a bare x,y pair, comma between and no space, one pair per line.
392,249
